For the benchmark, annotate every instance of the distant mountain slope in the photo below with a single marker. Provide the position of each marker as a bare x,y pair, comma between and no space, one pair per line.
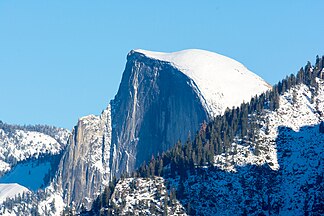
158,102
19,143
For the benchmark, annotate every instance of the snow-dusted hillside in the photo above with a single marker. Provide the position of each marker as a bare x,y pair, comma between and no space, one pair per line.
22,144
28,156
280,173
301,106
11,190
140,196
220,81
46,202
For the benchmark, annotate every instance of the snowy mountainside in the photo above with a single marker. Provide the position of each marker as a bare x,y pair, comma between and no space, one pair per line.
17,143
295,189
280,173
28,156
300,106
283,176
11,190
220,81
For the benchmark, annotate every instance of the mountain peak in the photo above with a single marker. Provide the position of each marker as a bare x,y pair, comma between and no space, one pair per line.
221,81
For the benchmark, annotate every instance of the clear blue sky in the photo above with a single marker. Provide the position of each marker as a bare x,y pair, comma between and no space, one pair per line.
60,60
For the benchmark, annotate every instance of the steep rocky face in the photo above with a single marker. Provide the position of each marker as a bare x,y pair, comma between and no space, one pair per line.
155,106
84,168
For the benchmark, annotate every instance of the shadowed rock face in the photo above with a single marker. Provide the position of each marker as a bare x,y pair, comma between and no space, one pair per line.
156,105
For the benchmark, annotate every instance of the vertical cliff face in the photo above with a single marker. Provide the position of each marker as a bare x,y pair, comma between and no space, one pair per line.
155,106
162,98
84,168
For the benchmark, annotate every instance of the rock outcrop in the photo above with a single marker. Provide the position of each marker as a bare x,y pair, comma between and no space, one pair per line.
84,168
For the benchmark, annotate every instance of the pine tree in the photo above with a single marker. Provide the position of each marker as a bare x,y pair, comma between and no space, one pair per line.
160,167
165,209
321,127
300,76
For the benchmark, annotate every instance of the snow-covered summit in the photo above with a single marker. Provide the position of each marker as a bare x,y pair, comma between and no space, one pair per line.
220,81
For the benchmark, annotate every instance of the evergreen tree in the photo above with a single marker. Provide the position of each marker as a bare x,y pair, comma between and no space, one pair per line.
321,127
165,209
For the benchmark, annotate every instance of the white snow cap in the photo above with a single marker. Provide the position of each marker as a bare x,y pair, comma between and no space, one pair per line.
221,81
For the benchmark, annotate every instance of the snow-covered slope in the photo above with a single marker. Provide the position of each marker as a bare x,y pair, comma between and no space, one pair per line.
299,107
11,190
290,144
43,202
134,196
220,81
29,156
18,144
279,173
